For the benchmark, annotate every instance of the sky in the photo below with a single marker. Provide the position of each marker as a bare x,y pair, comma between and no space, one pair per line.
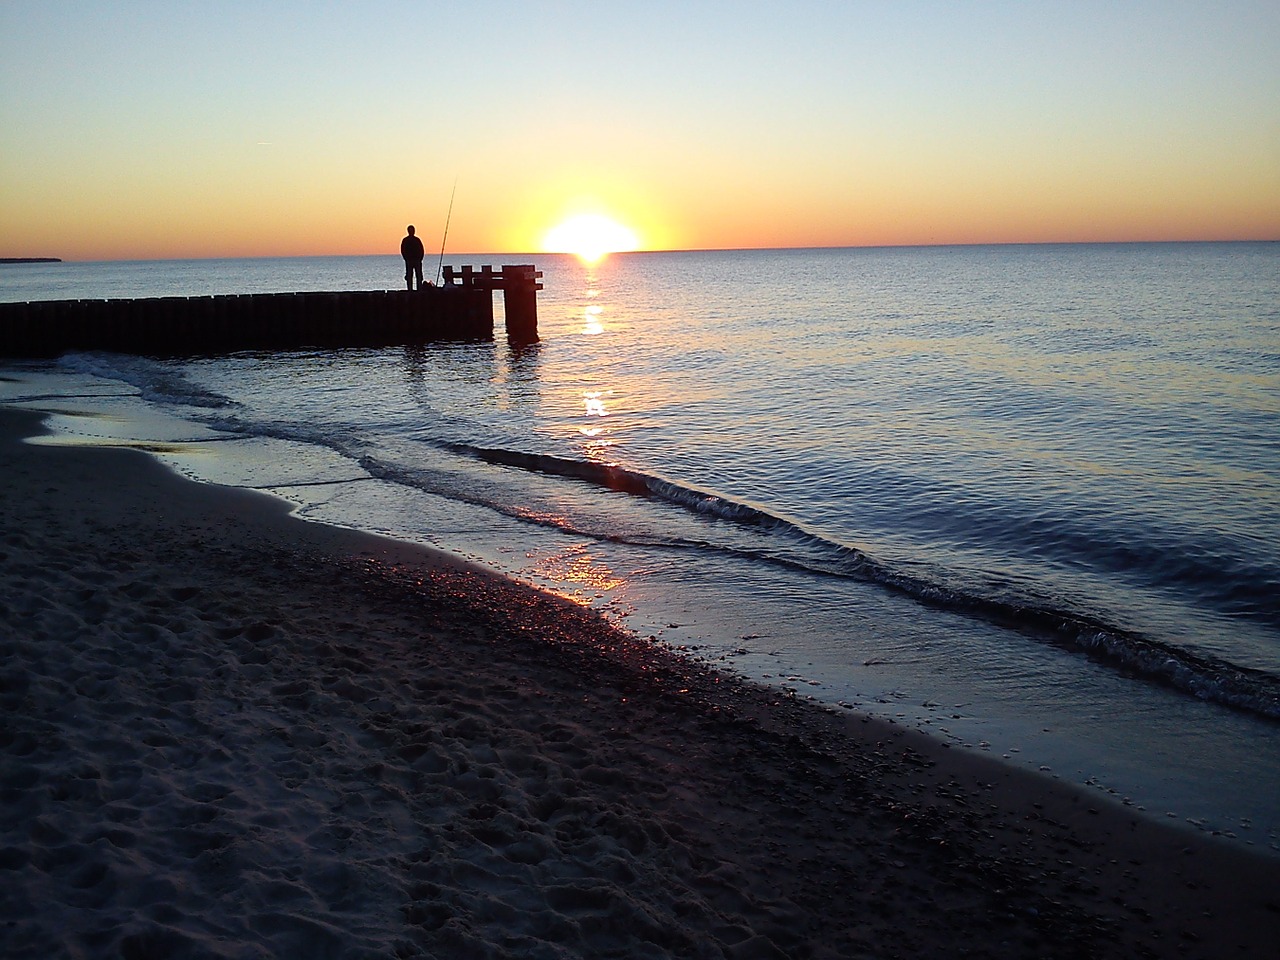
142,130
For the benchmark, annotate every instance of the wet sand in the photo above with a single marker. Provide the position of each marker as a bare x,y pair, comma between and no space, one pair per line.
231,733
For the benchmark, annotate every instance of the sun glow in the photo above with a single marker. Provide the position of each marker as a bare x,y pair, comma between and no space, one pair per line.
590,236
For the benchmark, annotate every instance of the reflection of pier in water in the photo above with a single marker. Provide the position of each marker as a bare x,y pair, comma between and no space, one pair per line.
460,309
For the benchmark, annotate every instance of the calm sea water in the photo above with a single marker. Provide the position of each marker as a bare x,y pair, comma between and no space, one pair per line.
1025,497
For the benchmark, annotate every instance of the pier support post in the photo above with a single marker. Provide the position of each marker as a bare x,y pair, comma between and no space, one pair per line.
520,288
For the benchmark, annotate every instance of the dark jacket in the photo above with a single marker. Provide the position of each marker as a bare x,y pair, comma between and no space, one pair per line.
411,250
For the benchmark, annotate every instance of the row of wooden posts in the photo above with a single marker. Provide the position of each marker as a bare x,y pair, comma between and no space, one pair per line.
460,309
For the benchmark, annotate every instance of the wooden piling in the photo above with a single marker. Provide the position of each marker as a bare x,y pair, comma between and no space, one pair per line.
520,302
519,285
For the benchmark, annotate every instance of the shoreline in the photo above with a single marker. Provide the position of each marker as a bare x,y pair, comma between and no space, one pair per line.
234,732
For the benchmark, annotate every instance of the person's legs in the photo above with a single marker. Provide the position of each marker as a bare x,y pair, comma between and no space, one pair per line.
417,267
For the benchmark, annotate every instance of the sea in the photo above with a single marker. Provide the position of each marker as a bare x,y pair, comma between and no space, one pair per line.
1025,498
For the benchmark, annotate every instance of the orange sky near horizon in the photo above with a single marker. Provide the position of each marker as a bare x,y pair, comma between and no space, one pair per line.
142,130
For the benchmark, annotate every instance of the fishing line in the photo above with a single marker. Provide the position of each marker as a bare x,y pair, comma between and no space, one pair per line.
447,218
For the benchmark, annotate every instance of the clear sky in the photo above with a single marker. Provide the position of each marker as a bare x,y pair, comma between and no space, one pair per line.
280,127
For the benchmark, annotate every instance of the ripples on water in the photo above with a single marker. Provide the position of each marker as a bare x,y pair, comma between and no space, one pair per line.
1080,437
1062,417
1088,429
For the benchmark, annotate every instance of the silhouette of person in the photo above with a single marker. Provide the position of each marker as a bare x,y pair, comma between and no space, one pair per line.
411,250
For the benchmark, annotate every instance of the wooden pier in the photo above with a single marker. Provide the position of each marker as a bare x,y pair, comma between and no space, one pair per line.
460,309
519,285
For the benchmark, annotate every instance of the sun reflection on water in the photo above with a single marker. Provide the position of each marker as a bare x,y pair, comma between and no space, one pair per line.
592,313
593,401
576,575
599,449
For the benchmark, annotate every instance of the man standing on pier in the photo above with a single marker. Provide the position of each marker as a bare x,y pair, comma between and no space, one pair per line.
411,250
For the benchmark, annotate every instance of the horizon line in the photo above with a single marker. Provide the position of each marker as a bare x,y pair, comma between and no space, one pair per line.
566,253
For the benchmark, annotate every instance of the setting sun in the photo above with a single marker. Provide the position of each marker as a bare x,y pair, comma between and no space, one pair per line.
590,236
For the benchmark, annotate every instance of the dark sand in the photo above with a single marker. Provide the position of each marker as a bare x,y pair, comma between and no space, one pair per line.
230,733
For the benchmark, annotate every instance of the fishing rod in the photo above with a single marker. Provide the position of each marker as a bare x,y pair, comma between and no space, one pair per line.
447,218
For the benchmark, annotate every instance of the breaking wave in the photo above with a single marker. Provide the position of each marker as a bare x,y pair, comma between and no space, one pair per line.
1205,677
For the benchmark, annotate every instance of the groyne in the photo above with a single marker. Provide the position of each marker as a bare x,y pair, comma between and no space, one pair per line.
461,309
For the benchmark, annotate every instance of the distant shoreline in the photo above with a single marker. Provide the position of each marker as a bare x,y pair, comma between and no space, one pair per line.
30,259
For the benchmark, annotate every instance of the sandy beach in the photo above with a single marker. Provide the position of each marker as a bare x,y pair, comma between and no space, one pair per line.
231,733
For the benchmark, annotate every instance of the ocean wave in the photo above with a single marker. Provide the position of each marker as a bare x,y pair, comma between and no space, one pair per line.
796,547
1221,569
156,381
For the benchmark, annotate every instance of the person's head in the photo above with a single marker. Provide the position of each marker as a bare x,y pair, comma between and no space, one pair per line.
410,229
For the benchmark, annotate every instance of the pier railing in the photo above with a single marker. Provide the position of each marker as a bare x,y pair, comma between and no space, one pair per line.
519,285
